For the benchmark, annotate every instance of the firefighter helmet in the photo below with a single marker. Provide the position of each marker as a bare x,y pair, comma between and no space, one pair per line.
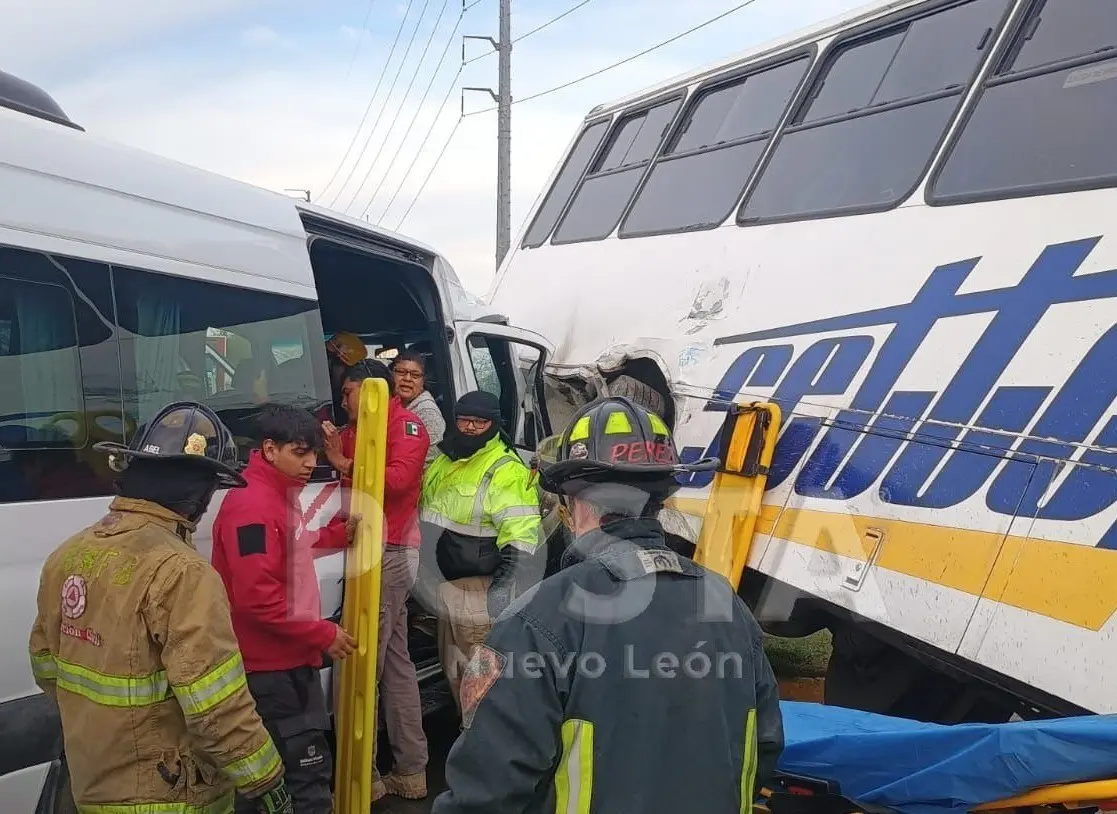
187,432
347,347
613,440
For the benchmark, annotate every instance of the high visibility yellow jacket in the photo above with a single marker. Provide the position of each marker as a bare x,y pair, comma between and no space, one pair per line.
480,505
134,641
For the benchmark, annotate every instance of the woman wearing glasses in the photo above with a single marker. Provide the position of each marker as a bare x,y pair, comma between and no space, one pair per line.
409,372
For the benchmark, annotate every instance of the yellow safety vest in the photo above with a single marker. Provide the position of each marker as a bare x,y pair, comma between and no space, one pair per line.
489,495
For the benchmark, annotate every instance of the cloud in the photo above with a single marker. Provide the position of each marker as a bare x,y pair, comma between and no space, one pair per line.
262,35
351,33
280,118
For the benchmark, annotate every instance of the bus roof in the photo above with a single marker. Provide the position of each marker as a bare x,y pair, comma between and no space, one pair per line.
818,31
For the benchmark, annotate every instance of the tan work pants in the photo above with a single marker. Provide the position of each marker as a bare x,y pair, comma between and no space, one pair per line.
399,688
463,622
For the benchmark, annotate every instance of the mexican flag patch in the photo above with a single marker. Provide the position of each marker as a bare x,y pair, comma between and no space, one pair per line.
410,428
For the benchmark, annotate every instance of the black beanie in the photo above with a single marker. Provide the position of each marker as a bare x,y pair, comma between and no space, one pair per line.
478,404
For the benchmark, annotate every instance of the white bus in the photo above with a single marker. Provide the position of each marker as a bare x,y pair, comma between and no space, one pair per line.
901,226
128,281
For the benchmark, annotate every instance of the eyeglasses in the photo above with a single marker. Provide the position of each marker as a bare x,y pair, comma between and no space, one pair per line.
414,375
479,423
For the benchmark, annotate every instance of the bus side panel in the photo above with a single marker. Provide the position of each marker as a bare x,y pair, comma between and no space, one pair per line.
1057,586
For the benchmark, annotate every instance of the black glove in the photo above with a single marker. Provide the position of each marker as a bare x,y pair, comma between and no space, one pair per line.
275,800
503,588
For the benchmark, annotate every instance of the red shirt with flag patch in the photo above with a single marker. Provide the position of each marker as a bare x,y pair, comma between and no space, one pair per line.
408,443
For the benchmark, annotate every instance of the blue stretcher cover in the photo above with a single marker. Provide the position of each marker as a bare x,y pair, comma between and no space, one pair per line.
929,769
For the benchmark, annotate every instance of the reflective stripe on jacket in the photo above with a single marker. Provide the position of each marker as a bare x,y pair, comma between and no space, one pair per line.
482,504
133,639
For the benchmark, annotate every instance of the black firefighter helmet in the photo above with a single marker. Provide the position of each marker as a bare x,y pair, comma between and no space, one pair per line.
614,441
185,432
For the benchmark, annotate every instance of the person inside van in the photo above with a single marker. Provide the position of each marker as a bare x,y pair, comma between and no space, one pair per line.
250,381
343,350
409,373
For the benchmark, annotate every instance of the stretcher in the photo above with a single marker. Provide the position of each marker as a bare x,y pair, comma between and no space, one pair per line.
841,761
356,714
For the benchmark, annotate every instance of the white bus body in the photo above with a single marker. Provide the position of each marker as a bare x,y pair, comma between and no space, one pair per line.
128,281
899,226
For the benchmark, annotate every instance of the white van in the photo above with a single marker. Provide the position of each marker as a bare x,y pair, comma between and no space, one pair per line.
128,281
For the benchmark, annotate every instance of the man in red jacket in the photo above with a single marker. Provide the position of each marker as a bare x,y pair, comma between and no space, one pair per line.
407,445
266,559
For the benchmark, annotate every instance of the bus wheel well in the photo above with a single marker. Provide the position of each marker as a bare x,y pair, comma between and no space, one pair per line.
642,381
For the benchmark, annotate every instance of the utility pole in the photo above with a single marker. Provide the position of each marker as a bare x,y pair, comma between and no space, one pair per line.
504,134
503,99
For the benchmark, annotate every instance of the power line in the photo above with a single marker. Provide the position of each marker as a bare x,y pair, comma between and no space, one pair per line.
418,106
402,102
387,98
535,30
422,144
360,38
430,172
551,21
368,109
624,61
418,109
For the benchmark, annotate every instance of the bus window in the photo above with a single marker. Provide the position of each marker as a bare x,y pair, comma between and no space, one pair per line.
1046,119
61,389
604,194
699,179
231,348
570,174
874,115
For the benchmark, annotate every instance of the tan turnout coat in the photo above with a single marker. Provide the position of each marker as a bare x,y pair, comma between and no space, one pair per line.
134,640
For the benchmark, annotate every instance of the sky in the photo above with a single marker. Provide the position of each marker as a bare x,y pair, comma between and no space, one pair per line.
295,95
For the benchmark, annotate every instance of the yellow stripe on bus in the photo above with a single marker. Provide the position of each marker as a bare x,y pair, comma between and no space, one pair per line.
1064,581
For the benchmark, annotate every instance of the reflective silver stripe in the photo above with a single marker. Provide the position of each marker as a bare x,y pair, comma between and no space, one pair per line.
483,487
257,767
574,778
222,806
43,666
113,691
515,511
212,688
749,765
483,529
522,545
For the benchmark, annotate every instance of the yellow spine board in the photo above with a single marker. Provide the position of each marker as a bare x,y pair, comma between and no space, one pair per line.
737,493
1070,795
360,614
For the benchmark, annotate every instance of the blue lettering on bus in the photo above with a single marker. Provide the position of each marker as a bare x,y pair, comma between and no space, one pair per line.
949,463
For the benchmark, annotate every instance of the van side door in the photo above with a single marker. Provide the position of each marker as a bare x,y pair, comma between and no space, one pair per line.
507,362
